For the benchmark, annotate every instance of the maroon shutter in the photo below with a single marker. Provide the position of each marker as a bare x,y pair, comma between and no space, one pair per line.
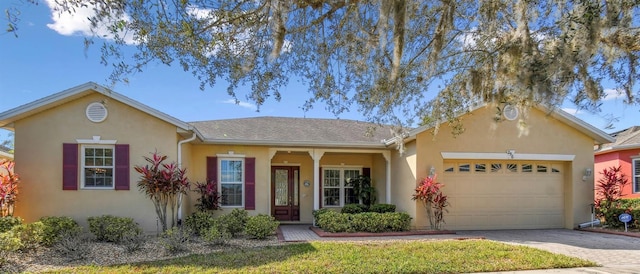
366,172
250,183
320,185
69,166
212,169
122,167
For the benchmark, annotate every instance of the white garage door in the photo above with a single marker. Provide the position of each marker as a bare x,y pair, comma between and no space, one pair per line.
498,194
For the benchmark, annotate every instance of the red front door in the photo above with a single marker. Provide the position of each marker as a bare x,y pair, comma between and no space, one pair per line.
285,201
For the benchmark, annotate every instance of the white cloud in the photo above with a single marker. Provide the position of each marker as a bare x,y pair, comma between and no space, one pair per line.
240,103
611,94
572,111
77,23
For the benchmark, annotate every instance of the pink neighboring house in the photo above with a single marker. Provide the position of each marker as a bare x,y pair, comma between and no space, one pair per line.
624,152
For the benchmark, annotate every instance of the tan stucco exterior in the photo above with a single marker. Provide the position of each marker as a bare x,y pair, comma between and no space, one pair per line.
545,135
38,146
41,132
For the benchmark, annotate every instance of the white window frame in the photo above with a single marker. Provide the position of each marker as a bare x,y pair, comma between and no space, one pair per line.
342,187
83,166
241,158
636,177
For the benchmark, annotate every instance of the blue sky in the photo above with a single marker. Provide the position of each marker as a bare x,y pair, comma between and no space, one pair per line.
48,56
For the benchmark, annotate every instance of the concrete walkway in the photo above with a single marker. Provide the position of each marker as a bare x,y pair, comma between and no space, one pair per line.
615,253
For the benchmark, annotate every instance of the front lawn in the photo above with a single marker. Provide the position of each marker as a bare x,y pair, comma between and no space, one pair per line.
449,256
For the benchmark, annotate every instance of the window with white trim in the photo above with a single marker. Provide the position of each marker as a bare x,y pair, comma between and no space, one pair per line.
97,166
231,181
636,175
335,190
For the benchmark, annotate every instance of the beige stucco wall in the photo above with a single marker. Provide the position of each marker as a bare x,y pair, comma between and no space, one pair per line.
38,146
545,135
403,181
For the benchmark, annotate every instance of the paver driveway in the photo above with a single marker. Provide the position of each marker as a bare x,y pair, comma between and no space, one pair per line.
617,254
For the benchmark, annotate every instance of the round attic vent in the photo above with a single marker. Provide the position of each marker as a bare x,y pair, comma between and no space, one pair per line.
510,112
96,112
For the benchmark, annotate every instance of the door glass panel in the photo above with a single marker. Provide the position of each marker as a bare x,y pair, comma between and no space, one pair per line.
295,188
281,184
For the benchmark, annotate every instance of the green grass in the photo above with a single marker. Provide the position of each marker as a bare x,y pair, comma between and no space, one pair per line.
450,256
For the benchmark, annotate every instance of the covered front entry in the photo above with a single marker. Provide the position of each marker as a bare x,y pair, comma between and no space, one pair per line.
504,194
285,188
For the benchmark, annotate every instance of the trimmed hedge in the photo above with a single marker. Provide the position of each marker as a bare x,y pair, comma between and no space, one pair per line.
354,208
56,227
383,208
332,221
8,222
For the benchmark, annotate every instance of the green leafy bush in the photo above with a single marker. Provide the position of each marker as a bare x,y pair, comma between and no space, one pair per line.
332,221
108,228
132,243
609,212
55,227
317,213
235,221
217,234
261,226
9,243
354,208
199,222
383,208
7,222
30,235
365,222
175,240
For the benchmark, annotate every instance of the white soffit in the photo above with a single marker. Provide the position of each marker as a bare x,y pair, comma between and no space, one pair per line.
506,156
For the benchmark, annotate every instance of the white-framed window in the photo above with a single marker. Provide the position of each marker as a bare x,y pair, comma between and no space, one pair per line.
636,175
231,180
335,191
98,163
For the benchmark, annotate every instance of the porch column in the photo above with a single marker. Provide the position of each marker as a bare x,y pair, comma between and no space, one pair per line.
316,155
387,158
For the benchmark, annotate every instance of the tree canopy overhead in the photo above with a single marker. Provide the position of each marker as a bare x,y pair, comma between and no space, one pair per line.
396,61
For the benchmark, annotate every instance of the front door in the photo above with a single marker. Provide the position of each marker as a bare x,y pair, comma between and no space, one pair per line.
284,193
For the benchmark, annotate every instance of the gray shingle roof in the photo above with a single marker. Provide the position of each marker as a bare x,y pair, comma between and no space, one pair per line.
629,136
294,131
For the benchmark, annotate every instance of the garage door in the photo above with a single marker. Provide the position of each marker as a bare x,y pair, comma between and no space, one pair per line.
497,194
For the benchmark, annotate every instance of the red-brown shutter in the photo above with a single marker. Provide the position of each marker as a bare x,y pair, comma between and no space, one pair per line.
320,186
250,183
212,169
69,166
122,167
366,172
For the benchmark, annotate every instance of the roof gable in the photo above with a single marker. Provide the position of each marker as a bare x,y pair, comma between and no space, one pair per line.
628,138
26,110
598,136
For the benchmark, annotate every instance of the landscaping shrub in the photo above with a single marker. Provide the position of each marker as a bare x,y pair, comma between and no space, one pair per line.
174,240
132,243
235,221
217,234
383,208
109,228
364,222
54,227
73,245
609,212
261,226
7,222
9,243
354,209
317,213
332,221
199,222
30,235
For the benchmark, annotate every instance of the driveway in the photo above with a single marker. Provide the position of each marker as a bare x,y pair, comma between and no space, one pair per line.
616,254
